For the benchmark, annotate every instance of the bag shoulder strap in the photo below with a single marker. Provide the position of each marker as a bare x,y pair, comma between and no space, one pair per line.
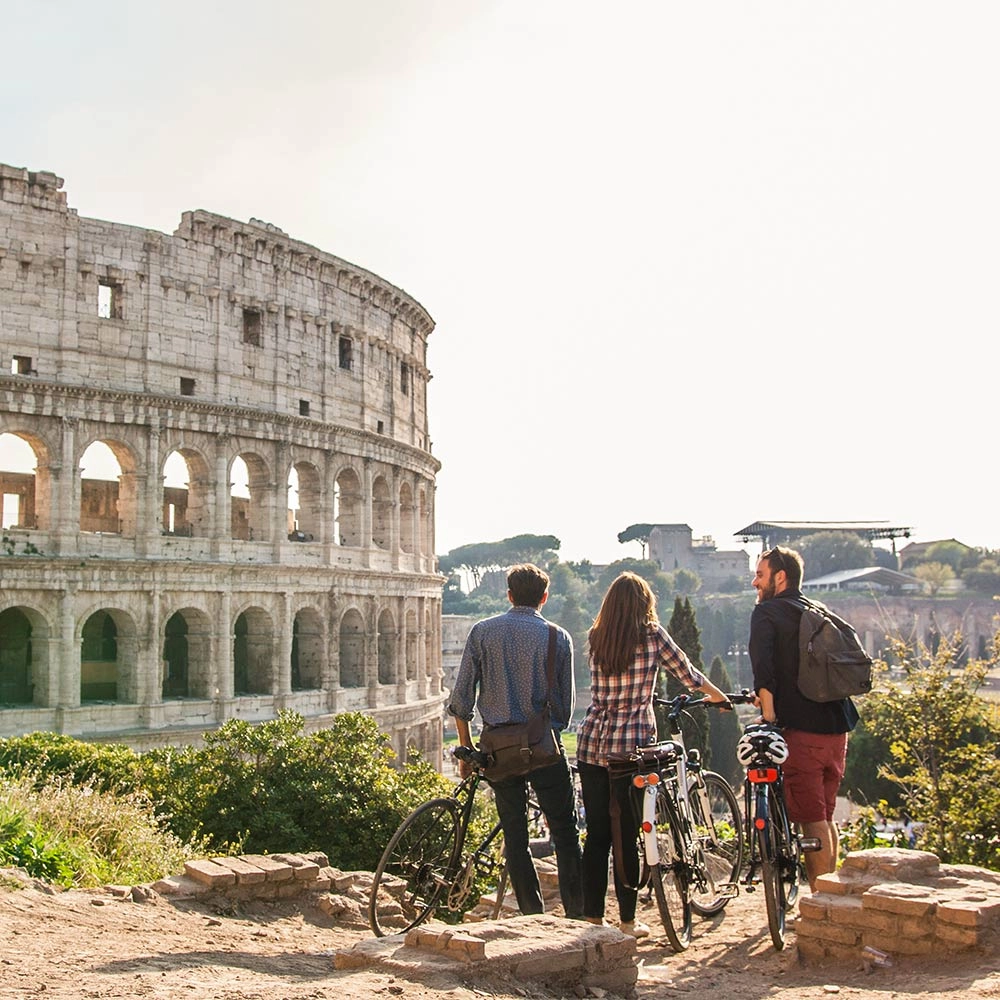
550,665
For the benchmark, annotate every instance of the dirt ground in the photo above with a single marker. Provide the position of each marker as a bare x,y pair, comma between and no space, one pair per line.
91,944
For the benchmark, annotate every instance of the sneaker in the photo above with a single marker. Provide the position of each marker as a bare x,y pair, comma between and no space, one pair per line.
634,928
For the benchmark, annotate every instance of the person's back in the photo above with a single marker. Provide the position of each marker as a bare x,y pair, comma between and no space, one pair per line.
504,674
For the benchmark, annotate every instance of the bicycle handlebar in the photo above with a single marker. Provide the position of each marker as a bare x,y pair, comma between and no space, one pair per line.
678,703
468,755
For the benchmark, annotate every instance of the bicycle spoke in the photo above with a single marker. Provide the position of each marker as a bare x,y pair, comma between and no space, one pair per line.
670,877
718,828
416,867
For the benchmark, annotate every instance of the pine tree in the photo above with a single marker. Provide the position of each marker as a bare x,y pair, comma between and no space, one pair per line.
723,728
683,628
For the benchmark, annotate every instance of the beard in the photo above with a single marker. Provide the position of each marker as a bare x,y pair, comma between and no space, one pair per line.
766,593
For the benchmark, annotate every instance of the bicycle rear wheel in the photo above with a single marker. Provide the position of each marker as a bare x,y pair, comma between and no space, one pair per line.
718,830
791,853
416,867
770,874
670,876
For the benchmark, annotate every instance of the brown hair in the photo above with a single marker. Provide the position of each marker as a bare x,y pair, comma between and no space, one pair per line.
787,559
527,585
627,611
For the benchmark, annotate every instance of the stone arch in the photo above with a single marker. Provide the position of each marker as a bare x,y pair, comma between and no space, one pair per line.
25,480
411,645
352,650
308,649
303,502
381,513
347,508
108,657
109,496
248,497
186,494
386,648
429,640
253,652
406,539
24,653
187,655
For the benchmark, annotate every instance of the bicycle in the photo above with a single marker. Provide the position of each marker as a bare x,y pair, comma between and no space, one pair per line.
775,848
691,831
424,865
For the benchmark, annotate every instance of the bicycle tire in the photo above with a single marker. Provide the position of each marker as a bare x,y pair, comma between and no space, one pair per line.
670,876
720,842
791,853
770,847
421,854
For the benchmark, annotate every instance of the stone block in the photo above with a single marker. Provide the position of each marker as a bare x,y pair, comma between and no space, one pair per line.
246,873
816,906
209,873
952,936
896,944
840,884
837,934
968,913
275,871
907,900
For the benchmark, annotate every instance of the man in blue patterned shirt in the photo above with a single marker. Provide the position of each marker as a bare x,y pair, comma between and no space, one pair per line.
503,674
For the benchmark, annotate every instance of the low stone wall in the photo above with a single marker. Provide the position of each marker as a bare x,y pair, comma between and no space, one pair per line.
901,903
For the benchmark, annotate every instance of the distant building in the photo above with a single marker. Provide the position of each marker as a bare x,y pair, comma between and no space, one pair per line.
672,547
916,552
872,578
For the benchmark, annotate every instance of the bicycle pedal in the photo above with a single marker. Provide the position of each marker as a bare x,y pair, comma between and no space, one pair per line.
728,890
809,843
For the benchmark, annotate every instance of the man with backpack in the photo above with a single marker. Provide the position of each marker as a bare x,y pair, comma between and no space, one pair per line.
815,731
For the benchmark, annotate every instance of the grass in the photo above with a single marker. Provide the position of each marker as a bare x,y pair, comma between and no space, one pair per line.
76,836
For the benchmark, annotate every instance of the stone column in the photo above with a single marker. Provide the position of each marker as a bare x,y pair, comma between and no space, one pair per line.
149,499
223,679
65,512
365,541
283,687
67,656
222,524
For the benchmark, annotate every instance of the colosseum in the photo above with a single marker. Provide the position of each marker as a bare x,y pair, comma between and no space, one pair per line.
226,506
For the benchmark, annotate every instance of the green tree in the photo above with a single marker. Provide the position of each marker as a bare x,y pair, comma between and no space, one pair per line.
831,551
934,576
985,577
943,740
683,629
479,558
723,728
686,582
636,533
952,553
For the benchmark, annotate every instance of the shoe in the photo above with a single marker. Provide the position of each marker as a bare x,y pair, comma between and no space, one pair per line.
634,928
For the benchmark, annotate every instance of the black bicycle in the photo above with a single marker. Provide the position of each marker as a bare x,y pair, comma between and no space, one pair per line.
425,865
775,848
691,833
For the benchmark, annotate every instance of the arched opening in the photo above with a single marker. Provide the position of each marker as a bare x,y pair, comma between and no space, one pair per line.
352,650
303,503
406,518
381,514
253,653
411,646
16,687
185,494
386,648
175,657
307,651
18,486
347,509
108,494
429,639
249,477
108,648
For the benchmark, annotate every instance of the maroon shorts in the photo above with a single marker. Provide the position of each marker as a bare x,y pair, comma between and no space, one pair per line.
813,773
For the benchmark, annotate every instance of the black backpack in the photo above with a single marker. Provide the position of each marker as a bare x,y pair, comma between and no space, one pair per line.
832,662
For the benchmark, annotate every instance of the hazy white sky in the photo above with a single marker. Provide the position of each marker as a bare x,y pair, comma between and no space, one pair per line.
689,262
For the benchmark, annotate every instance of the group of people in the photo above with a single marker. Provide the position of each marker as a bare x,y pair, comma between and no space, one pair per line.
503,676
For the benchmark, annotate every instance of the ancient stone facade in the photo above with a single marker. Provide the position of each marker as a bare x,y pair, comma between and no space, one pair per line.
139,609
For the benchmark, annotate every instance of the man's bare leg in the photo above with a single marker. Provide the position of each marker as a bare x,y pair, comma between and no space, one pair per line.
825,859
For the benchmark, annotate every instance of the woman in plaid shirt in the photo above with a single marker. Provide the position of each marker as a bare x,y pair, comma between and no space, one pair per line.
628,646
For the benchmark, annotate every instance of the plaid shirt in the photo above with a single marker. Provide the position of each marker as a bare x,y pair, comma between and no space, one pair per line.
620,717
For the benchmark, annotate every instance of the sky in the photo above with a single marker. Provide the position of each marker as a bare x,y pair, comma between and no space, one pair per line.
707,263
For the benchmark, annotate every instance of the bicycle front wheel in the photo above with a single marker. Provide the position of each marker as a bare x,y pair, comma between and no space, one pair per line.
718,831
416,867
670,877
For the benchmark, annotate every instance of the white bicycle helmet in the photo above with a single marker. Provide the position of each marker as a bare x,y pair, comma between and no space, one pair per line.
761,743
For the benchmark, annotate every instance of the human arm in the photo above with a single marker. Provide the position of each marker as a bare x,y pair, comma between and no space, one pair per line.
564,693
464,740
763,638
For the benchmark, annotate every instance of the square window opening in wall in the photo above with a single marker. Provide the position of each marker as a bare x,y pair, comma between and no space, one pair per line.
346,353
187,386
253,327
404,379
20,364
109,299
303,407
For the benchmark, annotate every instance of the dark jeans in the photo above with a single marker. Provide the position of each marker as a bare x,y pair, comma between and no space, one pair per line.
553,788
597,788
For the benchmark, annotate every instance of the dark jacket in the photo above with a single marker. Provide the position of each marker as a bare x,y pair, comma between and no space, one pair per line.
774,656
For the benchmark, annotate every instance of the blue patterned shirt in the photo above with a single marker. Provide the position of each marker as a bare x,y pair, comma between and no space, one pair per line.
504,662
620,717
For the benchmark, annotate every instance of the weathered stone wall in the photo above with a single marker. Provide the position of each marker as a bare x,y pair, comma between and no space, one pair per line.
900,903
224,341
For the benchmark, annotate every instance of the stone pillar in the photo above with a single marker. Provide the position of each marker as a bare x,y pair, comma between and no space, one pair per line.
222,523
422,684
283,686
223,680
67,656
365,541
149,662
149,500
65,524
